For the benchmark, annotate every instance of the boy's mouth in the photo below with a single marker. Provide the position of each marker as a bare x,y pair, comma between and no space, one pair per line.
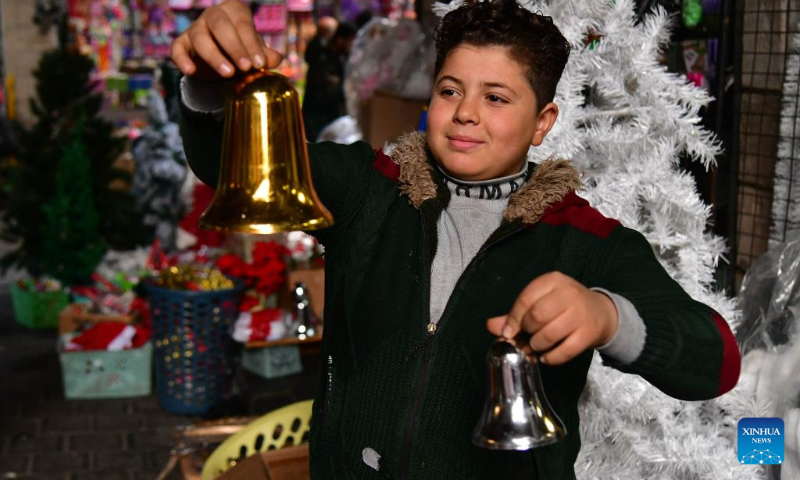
461,142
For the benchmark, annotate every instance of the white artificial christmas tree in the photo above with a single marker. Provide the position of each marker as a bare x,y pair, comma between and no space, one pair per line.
626,139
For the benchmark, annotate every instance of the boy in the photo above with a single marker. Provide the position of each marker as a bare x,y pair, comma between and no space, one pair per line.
454,229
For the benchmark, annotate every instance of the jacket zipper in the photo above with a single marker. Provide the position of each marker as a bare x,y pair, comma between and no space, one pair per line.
328,383
430,330
405,449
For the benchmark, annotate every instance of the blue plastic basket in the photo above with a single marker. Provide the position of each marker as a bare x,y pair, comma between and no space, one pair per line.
195,355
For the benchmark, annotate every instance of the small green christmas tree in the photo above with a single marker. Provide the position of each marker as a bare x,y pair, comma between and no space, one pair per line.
65,94
72,245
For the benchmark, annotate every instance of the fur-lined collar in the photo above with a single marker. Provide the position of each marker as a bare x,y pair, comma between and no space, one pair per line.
549,183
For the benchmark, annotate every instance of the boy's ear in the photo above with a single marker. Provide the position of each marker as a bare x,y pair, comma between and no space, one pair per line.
544,122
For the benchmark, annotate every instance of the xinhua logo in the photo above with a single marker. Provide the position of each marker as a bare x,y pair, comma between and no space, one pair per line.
760,441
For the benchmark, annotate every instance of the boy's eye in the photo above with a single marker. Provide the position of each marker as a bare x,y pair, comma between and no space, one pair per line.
495,99
447,92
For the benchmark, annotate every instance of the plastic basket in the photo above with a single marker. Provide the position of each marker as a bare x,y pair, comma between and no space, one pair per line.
104,374
273,362
34,309
280,428
194,352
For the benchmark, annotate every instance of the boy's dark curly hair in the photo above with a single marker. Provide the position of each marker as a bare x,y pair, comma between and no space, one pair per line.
532,39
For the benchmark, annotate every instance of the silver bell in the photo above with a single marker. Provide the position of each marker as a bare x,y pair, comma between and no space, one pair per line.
302,308
516,415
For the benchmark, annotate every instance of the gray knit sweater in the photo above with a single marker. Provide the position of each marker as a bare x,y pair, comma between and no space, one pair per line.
474,212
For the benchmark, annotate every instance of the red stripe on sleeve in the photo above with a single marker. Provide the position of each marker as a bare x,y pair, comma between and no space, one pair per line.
576,212
731,359
386,166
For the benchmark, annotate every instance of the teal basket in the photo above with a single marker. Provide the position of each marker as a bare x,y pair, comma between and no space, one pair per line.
34,309
273,362
104,374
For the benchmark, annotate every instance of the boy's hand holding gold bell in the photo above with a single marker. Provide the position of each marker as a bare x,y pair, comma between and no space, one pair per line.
222,40
564,317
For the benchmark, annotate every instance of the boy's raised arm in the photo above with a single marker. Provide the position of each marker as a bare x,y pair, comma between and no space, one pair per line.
202,140
222,40
690,352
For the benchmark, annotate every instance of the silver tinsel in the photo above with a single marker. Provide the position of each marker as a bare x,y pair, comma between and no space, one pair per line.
786,198
161,170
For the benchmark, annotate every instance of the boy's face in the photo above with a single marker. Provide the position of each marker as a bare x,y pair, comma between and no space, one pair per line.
483,114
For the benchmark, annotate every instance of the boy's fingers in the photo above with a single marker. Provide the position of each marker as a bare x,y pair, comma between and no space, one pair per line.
535,290
543,311
274,58
180,55
226,35
495,325
549,335
206,48
571,347
252,42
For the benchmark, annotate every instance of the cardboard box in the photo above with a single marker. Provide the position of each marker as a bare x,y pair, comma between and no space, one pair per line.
289,463
386,116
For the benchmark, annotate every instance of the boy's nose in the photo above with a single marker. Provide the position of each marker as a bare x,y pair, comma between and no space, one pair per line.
466,113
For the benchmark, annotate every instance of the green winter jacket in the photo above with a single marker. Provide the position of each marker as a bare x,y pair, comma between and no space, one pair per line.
412,395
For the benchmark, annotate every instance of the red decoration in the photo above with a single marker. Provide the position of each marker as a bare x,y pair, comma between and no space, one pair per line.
201,199
592,38
232,265
157,260
267,272
109,336
261,323
248,303
141,306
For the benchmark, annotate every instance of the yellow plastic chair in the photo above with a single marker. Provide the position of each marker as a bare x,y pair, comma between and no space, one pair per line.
277,429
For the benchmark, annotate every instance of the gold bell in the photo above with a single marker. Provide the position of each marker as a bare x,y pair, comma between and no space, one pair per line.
265,178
